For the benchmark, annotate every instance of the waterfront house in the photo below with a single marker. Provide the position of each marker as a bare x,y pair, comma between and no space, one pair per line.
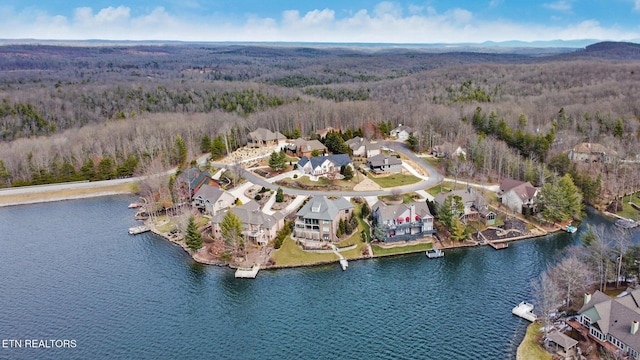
384,164
592,152
258,227
318,219
403,221
475,206
190,181
302,148
324,165
612,323
518,196
402,132
262,137
363,148
211,199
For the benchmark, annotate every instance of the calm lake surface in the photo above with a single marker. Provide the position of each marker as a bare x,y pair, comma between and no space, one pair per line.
70,271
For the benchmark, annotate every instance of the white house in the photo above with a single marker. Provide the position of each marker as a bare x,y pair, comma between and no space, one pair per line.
402,132
324,165
211,200
362,147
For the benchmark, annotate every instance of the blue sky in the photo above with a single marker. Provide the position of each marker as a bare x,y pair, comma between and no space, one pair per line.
430,21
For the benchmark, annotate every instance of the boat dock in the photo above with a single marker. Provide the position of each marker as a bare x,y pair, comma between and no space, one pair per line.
497,246
343,262
435,253
247,273
138,230
525,311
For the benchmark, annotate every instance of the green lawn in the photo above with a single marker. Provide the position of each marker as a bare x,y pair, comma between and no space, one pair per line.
407,198
322,181
529,349
446,186
379,251
627,210
394,180
291,254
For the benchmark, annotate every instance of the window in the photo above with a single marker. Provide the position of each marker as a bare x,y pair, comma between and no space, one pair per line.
325,222
325,228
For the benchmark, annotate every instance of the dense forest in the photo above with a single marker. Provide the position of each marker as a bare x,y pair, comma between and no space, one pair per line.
99,110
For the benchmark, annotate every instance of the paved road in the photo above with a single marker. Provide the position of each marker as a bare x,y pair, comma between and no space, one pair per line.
434,177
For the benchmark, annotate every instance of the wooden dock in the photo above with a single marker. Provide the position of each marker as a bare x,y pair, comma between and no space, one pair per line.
247,273
497,246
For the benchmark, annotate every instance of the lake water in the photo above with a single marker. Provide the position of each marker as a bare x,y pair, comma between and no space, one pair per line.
70,271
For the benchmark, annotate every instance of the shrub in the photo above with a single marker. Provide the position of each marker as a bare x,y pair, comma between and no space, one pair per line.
295,176
258,197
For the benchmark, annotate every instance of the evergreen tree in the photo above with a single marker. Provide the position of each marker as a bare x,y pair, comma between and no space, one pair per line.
180,152
379,232
277,160
561,200
193,237
457,229
231,230
205,144
217,148
412,142
105,169
279,195
347,172
335,144
365,211
340,230
88,170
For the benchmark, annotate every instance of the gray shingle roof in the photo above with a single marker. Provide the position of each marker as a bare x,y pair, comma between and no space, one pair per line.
388,212
208,192
262,134
379,160
323,208
338,160
250,213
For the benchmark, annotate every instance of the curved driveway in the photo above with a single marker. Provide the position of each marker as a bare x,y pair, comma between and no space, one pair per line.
434,177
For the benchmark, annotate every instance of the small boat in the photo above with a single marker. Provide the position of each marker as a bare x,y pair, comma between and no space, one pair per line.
571,229
525,311
135,205
434,253
626,223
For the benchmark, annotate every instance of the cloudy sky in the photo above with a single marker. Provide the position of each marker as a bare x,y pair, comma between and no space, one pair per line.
428,21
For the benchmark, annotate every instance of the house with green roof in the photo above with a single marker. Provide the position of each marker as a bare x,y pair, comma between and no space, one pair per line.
318,219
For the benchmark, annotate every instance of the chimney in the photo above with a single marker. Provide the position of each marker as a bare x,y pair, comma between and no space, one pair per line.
634,327
587,298
412,212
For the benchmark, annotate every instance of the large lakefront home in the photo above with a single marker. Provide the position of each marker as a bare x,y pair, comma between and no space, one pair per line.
475,206
263,137
190,181
518,196
211,199
324,165
403,221
259,227
318,219
612,323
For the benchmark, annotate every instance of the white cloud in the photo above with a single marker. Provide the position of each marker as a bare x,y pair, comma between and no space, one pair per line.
388,22
563,6
637,5
494,3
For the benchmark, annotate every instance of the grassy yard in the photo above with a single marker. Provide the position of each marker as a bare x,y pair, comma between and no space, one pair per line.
446,186
627,210
528,349
291,254
394,180
406,197
379,251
